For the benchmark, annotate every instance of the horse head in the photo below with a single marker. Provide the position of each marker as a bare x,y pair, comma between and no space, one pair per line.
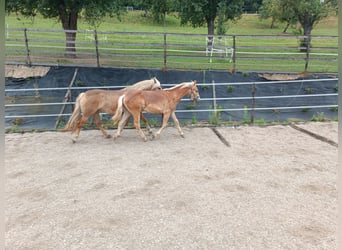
156,84
194,93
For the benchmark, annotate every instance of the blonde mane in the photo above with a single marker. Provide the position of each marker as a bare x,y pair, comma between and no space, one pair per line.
145,84
182,85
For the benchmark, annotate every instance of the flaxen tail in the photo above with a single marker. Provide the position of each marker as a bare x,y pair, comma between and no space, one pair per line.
75,116
119,110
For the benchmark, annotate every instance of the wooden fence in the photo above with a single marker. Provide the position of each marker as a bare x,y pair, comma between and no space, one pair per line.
172,51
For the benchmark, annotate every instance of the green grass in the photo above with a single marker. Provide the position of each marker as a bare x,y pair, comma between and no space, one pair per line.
126,46
136,22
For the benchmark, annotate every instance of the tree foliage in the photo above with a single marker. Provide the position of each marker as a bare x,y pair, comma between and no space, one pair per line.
204,12
67,12
278,10
251,5
306,12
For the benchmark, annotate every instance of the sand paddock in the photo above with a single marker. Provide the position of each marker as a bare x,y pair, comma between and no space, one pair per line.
268,187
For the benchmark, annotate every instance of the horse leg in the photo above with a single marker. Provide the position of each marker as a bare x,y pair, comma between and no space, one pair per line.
174,118
77,130
98,124
146,123
124,119
137,126
165,120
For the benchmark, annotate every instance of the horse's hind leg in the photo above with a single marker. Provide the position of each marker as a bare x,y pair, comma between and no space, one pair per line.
146,123
76,132
97,121
124,119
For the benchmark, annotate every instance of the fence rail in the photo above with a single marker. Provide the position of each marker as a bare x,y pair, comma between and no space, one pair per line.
170,50
217,104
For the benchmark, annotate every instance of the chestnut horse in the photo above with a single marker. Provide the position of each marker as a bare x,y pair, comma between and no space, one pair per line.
92,102
155,102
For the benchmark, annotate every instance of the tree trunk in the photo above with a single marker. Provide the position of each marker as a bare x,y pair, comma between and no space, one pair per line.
211,26
307,27
70,48
306,42
286,27
69,23
272,24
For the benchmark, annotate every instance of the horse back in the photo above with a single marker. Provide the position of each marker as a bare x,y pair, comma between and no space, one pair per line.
100,100
156,101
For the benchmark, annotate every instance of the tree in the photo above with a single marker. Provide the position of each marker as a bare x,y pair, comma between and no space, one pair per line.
158,8
270,9
251,5
67,12
308,13
278,10
201,12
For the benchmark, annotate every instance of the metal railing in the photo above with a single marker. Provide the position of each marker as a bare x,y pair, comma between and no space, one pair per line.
219,102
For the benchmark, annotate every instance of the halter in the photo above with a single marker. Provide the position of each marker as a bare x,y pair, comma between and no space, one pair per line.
192,92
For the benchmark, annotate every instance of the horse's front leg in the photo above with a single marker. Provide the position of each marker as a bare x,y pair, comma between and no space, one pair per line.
164,125
137,126
174,118
98,124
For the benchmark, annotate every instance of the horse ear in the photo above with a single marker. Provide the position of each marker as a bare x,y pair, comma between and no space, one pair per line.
194,81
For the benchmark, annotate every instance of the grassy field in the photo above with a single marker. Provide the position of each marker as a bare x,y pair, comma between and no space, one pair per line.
135,22
247,25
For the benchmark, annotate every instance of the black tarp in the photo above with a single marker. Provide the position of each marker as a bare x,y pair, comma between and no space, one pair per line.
59,77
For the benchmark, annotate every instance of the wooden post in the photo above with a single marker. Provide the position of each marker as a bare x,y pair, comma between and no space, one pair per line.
164,51
97,49
234,53
28,59
67,97
308,44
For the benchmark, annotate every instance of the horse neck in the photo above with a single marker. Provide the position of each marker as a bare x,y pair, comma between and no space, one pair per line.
178,93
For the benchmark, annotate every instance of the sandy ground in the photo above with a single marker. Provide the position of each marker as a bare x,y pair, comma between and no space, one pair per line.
271,188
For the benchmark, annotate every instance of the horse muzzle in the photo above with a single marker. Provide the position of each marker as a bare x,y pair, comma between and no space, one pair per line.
196,99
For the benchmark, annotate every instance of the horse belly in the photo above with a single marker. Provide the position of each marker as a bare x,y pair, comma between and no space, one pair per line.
109,104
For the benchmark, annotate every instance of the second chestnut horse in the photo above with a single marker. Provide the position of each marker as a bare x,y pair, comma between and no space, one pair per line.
156,102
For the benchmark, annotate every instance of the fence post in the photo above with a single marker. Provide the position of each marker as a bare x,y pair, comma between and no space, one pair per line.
97,49
234,53
253,102
66,98
27,48
308,44
164,51
214,100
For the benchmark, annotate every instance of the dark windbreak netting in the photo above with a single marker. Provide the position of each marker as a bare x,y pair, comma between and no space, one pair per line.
39,102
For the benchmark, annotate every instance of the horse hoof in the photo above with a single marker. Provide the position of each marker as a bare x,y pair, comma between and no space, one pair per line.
74,139
182,135
107,136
